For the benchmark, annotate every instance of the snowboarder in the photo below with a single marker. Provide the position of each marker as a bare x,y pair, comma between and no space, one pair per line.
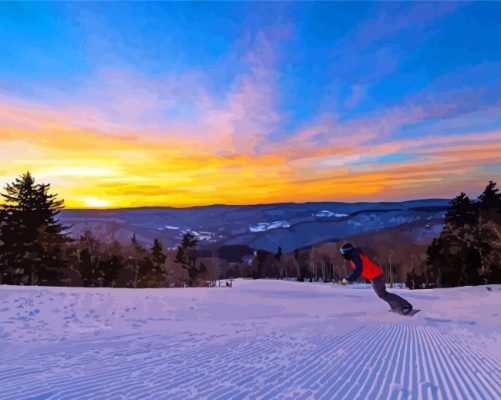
362,265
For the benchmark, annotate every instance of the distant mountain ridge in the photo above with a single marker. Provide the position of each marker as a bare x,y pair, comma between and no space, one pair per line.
266,226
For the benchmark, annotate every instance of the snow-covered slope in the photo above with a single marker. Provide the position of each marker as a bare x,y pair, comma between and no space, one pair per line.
258,339
265,226
328,214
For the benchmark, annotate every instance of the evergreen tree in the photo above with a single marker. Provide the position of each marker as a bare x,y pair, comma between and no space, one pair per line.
187,258
135,244
139,262
470,263
180,256
278,259
158,257
279,254
468,251
488,234
490,198
31,238
462,211
139,265
151,266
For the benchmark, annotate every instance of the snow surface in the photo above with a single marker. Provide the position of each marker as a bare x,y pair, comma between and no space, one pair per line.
327,214
259,339
266,226
175,228
202,236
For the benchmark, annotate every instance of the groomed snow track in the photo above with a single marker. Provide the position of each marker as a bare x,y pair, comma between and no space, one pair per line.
393,361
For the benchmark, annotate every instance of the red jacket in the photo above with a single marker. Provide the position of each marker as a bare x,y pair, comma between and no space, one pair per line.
369,269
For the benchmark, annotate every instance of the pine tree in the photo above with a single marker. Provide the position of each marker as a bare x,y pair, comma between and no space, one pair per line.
151,267
135,260
468,251
462,211
31,238
488,233
189,241
278,259
279,254
136,245
158,257
186,257
490,198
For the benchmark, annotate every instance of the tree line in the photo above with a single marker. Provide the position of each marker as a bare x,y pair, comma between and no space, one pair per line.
36,249
468,250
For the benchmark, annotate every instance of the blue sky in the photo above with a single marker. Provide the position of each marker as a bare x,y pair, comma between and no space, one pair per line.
330,89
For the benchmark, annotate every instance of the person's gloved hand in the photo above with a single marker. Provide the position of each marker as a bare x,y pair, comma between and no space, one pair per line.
345,282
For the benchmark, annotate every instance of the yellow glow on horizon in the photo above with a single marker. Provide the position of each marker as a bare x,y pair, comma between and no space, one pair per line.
94,202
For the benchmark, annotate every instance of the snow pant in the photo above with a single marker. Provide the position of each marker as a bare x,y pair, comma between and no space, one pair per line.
379,286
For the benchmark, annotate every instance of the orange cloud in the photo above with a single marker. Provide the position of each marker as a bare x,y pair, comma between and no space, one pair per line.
116,155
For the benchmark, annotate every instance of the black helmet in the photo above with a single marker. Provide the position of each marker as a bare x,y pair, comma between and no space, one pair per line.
346,249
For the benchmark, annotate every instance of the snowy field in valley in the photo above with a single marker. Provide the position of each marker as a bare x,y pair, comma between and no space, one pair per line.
259,340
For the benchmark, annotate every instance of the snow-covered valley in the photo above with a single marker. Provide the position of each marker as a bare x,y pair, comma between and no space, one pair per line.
258,339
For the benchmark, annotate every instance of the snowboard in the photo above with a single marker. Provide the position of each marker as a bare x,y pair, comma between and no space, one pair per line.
413,312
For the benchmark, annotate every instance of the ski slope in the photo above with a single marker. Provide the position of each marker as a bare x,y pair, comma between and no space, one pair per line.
258,340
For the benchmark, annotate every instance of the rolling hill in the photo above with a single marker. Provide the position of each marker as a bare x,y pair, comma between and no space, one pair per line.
289,225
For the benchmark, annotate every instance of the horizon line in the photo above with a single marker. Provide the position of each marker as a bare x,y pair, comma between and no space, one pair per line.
253,205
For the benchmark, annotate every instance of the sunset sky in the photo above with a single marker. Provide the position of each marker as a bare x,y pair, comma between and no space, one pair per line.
179,104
